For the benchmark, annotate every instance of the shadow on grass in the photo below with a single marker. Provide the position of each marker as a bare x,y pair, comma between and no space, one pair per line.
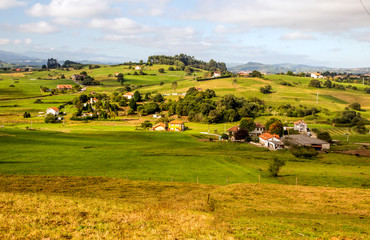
14,162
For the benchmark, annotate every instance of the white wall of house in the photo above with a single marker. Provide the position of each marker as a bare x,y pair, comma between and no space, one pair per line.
52,111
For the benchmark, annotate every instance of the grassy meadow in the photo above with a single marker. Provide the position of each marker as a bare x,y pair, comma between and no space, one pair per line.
108,180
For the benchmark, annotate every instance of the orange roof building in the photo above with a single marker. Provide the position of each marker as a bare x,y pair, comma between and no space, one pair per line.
176,126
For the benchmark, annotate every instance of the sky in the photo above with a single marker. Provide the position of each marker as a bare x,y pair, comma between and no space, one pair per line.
314,32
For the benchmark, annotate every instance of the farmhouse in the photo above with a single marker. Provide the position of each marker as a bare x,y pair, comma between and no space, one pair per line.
137,67
260,128
128,95
64,87
300,126
159,127
93,100
244,73
304,140
52,110
176,126
217,74
317,75
271,141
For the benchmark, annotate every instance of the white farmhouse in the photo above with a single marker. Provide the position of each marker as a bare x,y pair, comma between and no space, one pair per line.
317,75
300,126
52,110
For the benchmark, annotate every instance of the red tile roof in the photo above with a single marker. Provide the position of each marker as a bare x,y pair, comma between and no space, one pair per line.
298,122
54,108
233,129
266,136
176,122
159,125
64,86
128,94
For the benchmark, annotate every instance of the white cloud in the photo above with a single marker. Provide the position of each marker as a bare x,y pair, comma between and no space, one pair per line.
6,4
297,36
27,41
38,27
119,25
303,15
17,41
70,9
4,41
361,36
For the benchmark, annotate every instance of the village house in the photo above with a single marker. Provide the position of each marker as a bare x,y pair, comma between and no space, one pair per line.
93,100
52,110
137,67
217,74
300,126
244,73
304,140
258,130
317,75
176,126
128,95
87,115
159,127
271,141
64,87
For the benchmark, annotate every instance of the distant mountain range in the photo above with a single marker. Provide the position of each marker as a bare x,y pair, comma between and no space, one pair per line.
32,58
296,68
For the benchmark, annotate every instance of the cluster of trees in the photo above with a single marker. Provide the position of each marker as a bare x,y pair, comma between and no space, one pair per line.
183,60
26,115
202,106
102,109
328,84
301,111
87,80
351,119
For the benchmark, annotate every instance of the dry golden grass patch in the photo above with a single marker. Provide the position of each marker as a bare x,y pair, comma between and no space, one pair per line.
35,207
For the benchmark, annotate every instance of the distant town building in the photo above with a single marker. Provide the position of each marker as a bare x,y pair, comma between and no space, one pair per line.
159,127
217,74
300,126
137,67
52,110
176,126
128,95
317,75
64,87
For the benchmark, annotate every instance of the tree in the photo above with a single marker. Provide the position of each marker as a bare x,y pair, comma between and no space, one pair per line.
174,86
275,165
120,78
188,70
276,128
315,83
290,73
266,89
133,104
325,136
256,74
158,98
355,106
137,96
146,124
269,122
241,134
328,84
247,123
26,115
161,70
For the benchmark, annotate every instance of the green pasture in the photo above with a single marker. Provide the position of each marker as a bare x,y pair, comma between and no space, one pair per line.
141,155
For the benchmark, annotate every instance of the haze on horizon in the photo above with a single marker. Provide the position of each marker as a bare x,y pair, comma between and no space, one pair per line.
313,32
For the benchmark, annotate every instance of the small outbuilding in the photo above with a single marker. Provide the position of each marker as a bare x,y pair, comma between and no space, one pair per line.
159,127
